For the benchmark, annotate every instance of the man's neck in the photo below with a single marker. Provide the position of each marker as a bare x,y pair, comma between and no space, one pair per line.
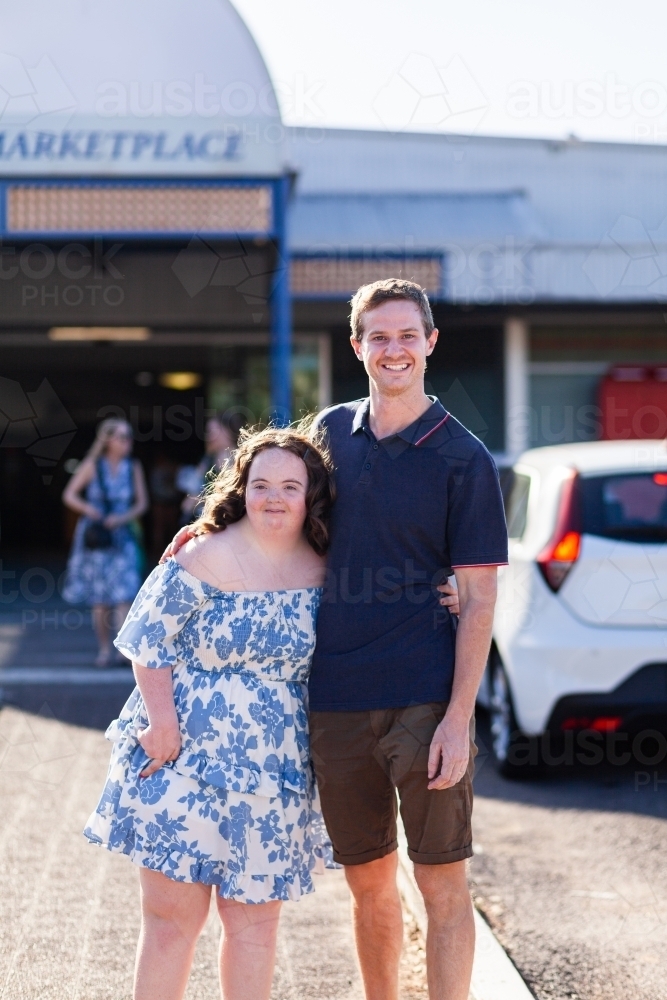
390,414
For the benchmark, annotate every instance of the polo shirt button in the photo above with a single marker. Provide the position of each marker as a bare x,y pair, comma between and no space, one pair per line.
367,465
375,447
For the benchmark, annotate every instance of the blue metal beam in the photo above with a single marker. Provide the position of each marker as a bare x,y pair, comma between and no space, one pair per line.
281,311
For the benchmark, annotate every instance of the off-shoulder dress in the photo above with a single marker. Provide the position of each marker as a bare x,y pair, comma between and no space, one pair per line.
239,807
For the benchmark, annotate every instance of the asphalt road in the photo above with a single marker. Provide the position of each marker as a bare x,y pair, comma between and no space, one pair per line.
570,870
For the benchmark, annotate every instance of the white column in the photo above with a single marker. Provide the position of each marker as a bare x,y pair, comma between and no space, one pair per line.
517,388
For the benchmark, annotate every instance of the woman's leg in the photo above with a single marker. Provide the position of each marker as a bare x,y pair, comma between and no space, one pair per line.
102,623
120,614
173,915
247,948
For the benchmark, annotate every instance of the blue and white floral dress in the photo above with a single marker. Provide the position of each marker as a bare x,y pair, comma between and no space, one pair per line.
239,807
106,576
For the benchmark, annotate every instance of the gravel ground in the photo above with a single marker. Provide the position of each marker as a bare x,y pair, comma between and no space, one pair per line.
571,872
69,915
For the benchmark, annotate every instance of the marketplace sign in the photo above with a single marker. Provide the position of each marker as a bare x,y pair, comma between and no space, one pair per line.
212,148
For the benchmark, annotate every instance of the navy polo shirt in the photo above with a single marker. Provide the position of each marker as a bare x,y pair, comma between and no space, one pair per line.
408,508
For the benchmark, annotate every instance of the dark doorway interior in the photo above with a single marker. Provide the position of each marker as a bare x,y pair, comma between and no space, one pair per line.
188,286
91,381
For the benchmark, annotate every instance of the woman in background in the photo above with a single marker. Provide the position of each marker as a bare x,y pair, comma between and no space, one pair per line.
220,442
104,570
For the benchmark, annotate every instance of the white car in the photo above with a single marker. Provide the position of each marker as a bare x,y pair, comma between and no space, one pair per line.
580,634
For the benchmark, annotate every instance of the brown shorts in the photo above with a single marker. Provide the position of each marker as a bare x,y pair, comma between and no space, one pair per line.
361,759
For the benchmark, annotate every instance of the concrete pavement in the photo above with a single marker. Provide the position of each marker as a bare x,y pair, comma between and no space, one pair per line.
69,916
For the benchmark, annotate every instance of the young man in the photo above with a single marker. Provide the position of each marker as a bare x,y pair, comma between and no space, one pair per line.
393,683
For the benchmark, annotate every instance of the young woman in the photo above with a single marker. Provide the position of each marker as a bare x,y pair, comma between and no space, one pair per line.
104,566
210,781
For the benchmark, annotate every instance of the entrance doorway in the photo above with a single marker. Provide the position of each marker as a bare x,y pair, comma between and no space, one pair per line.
165,386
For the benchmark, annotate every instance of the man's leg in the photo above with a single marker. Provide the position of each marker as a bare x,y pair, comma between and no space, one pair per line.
359,808
439,834
378,924
450,942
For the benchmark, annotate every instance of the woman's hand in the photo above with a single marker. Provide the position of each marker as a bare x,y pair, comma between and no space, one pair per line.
162,742
112,521
92,513
162,737
180,539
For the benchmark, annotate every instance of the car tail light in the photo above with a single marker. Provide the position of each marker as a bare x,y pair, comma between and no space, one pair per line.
575,722
557,559
600,724
606,723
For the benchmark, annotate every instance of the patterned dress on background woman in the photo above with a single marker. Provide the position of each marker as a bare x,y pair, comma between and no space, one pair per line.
239,807
106,576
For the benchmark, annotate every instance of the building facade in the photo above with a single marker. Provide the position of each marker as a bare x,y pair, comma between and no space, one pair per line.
169,247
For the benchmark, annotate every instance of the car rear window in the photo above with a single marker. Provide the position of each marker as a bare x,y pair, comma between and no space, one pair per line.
628,507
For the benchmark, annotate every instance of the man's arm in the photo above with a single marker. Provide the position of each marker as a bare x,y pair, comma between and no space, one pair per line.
450,747
181,538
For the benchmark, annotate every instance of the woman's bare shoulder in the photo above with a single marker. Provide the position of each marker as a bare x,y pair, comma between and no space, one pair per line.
211,558
85,471
314,568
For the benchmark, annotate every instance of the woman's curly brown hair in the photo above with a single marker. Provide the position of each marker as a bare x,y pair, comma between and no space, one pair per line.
224,502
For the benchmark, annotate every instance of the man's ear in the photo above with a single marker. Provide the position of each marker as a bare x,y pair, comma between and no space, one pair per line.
356,347
431,342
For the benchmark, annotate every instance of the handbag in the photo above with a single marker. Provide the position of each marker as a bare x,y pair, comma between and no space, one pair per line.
96,535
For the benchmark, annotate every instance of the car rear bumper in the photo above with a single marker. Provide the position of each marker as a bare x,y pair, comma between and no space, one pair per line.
558,657
639,702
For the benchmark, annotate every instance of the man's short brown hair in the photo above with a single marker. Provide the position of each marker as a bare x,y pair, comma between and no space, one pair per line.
389,289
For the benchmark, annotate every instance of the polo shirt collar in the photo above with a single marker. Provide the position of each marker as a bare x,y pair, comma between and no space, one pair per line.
361,416
414,431
422,425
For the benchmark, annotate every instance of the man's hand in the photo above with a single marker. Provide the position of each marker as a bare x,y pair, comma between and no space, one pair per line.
450,598
181,538
161,743
450,752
